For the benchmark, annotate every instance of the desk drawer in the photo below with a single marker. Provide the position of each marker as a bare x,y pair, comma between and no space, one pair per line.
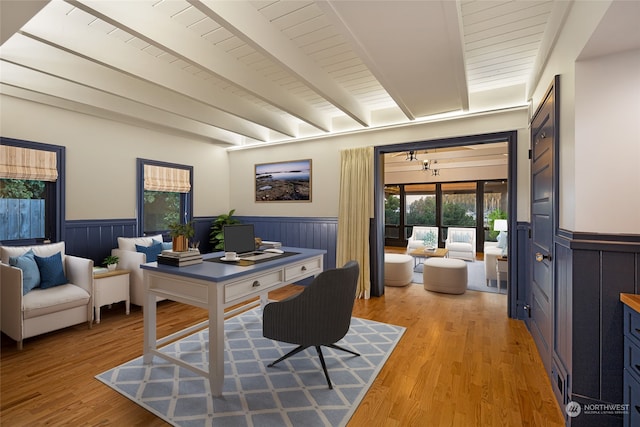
632,357
632,324
251,286
631,396
308,268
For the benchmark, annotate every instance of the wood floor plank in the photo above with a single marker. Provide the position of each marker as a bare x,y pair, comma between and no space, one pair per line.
461,362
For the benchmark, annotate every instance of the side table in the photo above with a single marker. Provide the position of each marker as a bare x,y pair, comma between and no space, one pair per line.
110,287
502,270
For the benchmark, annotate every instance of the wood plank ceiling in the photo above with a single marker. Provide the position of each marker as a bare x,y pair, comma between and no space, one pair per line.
245,73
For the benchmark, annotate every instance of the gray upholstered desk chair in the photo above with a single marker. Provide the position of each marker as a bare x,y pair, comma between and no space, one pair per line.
320,315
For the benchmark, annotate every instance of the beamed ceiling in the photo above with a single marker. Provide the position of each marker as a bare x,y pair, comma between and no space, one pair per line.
241,73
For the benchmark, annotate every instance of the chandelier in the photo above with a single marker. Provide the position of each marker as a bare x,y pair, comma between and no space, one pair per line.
430,166
411,156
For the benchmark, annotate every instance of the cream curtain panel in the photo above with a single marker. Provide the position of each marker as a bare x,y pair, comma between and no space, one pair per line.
160,178
27,163
355,211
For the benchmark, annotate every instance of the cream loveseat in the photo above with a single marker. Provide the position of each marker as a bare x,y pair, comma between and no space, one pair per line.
461,243
55,302
130,258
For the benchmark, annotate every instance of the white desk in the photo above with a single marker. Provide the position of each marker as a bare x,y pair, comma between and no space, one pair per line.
215,286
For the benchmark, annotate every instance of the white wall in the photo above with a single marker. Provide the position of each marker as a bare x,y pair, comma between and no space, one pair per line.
586,125
325,155
607,144
101,159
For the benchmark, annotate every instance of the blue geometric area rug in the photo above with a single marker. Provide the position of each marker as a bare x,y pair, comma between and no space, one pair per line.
292,393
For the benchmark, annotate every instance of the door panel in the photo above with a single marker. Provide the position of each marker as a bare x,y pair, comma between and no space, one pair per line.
543,147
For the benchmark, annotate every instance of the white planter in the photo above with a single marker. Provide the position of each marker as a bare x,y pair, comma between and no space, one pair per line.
111,267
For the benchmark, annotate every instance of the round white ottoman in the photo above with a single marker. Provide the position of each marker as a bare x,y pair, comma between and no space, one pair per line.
398,269
445,275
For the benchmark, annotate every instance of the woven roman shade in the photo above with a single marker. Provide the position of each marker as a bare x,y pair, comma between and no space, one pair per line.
27,163
160,178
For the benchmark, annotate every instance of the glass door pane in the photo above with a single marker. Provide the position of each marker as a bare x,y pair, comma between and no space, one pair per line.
392,211
420,202
495,206
459,204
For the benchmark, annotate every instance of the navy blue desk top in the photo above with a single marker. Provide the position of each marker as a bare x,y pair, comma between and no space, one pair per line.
217,272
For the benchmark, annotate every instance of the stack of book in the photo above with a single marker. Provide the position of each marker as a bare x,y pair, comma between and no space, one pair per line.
267,244
180,259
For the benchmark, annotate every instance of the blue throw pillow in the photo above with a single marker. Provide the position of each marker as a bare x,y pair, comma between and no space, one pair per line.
165,245
151,252
30,273
51,272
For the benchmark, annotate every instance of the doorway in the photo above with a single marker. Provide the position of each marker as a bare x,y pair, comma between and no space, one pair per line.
443,145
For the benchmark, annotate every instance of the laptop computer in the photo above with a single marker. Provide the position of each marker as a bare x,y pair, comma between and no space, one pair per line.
240,238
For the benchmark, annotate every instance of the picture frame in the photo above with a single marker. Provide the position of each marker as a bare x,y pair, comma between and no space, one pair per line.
288,181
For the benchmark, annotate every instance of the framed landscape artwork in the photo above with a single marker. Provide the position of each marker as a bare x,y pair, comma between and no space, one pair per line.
284,182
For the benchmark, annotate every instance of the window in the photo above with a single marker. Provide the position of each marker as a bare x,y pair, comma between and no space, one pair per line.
166,195
420,202
392,211
459,204
495,206
31,192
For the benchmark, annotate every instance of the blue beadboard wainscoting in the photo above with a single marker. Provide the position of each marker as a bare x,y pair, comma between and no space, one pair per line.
94,239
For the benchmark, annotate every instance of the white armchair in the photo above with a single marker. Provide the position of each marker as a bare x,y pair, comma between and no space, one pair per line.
461,243
130,259
44,310
418,236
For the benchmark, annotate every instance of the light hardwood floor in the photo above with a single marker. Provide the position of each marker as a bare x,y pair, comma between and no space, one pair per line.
461,362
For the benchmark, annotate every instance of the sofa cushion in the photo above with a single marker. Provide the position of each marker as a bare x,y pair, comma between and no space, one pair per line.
151,252
460,237
40,301
41,250
460,247
30,271
129,243
51,271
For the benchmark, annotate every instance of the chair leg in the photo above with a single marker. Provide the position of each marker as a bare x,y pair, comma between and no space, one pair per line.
291,353
324,366
343,349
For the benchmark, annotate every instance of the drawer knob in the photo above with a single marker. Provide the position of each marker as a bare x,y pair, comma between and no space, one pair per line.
256,284
304,268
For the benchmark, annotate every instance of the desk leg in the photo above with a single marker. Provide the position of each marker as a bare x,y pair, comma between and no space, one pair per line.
149,316
216,345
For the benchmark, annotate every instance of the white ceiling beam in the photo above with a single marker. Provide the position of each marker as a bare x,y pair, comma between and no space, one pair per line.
416,166
32,54
246,23
65,104
25,78
53,26
143,21
15,13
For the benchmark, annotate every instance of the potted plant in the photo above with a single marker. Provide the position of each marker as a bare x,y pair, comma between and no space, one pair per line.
111,262
180,234
216,237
